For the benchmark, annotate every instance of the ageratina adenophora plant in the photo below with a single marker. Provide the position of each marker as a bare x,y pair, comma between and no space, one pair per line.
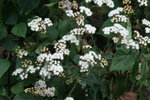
74,49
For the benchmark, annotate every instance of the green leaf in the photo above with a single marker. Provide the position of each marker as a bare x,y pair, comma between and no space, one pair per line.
9,43
123,60
4,66
20,30
51,4
27,5
3,32
64,26
24,96
10,14
3,91
52,33
17,88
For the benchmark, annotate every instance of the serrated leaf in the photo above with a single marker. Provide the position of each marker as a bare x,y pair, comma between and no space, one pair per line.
20,30
4,66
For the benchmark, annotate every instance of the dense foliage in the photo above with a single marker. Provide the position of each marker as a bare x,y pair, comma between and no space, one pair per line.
74,50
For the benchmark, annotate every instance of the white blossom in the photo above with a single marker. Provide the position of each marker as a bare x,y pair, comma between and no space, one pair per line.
39,25
40,85
17,71
87,60
147,30
116,11
77,31
130,44
85,10
50,92
119,18
146,22
69,98
90,29
143,2
21,53
69,13
116,28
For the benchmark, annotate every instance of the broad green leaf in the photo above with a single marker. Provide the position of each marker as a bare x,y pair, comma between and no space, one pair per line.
64,26
27,5
24,96
123,60
52,33
17,88
3,32
20,30
9,43
10,14
4,66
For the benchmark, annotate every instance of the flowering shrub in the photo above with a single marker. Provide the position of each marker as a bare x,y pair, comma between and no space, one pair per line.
74,49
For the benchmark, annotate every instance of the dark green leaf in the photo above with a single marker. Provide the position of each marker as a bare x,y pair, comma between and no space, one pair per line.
4,66
52,33
9,43
24,96
27,5
20,29
17,88
3,32
64,26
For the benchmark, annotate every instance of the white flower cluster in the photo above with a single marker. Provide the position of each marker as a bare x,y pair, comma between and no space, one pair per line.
90,29
87,60
42,90
24,72
85,10
70,13
130,43
109,3
51,64
71,38
21,53
143,2
116,11
116,15
119,18
77,31
39,25
117,29
144,41
146,23
69,98
52,61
